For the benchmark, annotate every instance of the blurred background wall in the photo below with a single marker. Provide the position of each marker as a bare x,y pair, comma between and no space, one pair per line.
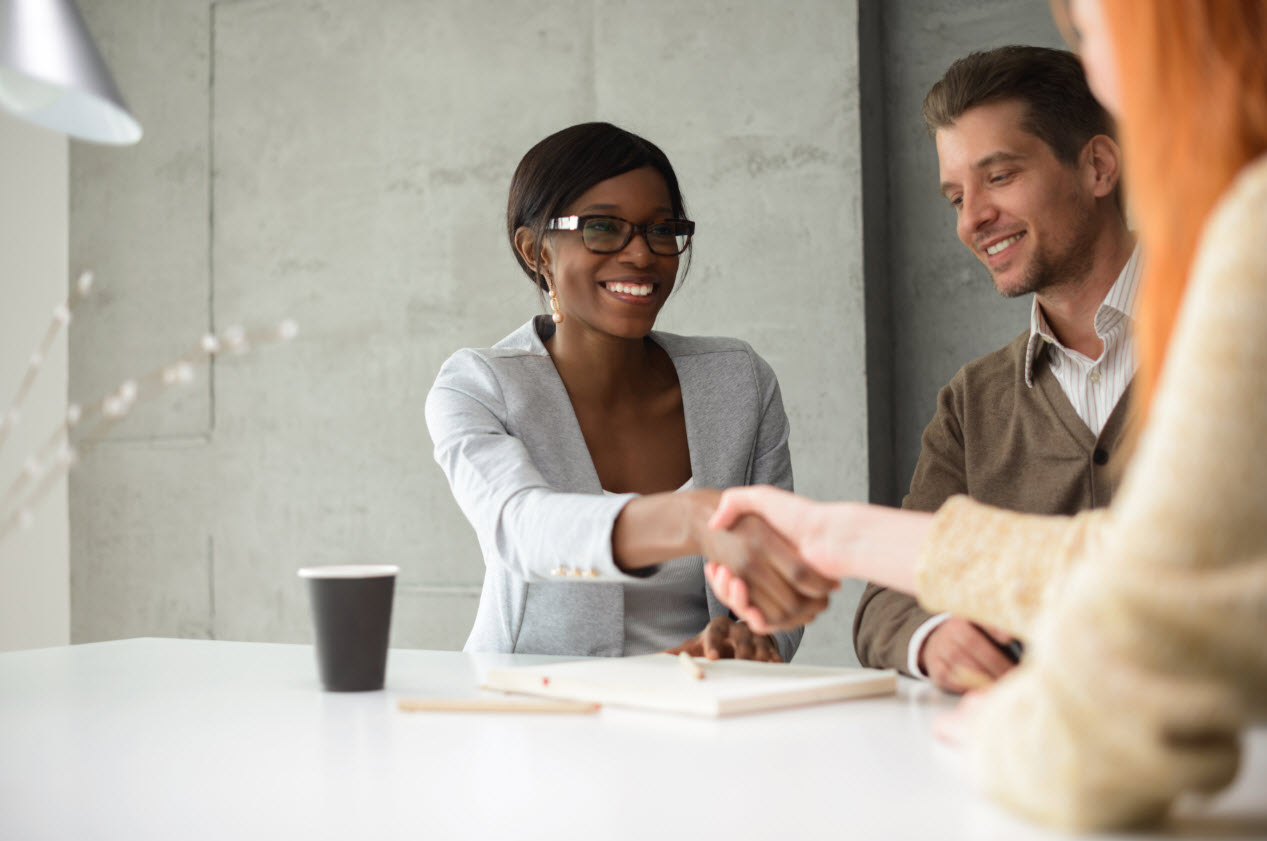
346,164
35,562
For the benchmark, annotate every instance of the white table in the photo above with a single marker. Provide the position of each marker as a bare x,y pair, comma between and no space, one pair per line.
189,739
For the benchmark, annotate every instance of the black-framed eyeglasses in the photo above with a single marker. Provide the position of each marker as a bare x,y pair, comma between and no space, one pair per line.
609,234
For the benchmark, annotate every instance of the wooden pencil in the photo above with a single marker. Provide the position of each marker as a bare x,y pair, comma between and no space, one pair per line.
688,664
494,705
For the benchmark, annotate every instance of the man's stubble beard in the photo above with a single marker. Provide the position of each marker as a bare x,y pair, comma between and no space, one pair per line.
1046,271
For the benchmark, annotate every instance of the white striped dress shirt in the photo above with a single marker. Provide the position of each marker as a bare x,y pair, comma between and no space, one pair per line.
1093,386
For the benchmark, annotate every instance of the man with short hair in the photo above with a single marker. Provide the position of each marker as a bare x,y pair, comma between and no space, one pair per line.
1030,168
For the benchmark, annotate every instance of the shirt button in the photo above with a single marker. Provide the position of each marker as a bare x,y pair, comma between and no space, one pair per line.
1100,457
1095,376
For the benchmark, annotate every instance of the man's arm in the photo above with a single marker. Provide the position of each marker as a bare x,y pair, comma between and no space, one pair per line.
890,629
886,620
883,626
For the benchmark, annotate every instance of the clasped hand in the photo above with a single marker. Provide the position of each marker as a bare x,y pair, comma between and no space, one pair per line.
755,565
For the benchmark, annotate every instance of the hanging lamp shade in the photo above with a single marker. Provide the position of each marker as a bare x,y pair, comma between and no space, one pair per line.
51,73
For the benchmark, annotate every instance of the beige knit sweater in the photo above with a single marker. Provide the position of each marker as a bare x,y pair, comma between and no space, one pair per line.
1146,623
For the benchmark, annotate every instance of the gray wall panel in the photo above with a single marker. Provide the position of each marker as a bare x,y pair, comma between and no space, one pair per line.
139,214
945,311
35,561
347,164
139,217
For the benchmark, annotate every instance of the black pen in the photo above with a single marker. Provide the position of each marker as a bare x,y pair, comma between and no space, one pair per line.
1011,650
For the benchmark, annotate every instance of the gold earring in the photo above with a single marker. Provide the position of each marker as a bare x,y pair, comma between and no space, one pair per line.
556,316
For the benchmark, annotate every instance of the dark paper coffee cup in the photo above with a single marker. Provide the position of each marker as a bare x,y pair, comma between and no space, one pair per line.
351,621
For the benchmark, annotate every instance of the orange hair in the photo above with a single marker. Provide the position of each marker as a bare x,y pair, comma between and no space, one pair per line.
1193,82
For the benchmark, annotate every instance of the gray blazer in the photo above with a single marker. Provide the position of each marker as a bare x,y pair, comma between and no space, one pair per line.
508,440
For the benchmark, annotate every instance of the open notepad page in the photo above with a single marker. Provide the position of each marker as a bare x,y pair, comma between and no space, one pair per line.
658,682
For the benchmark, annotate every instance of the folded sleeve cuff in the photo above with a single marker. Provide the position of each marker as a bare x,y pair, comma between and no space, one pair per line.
917,642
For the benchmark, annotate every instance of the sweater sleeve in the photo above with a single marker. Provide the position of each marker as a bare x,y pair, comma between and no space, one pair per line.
540,533
1000,567
1146,622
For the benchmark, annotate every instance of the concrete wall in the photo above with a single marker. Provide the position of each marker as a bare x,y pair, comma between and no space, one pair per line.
35,563
944,310
347,164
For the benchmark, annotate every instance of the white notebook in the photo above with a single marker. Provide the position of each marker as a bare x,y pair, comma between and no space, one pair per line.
660,682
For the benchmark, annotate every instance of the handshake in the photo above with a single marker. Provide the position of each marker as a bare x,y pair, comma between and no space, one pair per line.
774,557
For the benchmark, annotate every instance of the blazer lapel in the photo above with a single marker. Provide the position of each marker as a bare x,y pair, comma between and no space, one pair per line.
702,401
573,471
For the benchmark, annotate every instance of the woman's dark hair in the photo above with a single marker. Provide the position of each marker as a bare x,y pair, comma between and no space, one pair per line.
567,163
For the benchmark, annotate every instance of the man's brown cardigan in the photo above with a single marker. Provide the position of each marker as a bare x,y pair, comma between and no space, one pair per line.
1002,443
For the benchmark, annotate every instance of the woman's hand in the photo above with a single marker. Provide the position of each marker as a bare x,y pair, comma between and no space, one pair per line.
788,592
816,532
752,590
836,540
732,591
724,638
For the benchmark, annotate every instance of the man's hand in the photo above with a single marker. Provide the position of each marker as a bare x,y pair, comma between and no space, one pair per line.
724,638
959,656
780,590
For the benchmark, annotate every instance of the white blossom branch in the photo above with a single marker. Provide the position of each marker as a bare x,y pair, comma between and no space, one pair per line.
92,422
62,314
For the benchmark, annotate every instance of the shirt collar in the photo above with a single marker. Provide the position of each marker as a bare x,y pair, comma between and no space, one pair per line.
1118,304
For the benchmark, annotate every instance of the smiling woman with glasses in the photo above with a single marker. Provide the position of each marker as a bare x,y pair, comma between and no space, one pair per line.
589,450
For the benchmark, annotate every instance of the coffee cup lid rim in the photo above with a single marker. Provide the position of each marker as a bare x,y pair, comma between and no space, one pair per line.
350,571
